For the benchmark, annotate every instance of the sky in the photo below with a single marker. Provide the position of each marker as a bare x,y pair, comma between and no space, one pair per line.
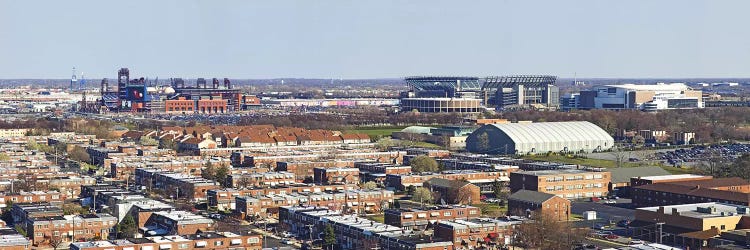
374,39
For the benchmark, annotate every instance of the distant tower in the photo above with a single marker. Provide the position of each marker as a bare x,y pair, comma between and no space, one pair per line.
82,82
73,79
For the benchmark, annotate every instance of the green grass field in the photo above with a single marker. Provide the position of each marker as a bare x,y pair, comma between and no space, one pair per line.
377,218
598,162
491,209
376,131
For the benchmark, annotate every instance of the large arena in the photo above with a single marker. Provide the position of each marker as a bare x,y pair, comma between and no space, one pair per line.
536,138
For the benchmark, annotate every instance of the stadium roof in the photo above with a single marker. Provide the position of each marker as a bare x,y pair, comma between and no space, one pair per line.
512,81
550,132
458,83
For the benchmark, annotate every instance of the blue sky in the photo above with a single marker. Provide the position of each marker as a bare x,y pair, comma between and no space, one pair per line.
373,39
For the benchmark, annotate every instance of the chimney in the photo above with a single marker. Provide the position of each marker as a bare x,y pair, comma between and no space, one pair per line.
660,210
675,212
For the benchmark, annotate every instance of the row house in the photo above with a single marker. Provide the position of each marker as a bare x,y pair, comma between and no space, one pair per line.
303,169
10,239
224,199
70,228
177,185
201,240
483,179
477,232
336,175
53,197
420,218
353,232
267,179
361,201
21,213
175,222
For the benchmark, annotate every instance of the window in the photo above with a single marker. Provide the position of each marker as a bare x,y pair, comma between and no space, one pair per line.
253,240
472,212
723,227
447,214
218,243
182,246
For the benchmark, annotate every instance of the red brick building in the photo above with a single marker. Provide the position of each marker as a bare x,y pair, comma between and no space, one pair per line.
203,240
529,203
480,232
417,219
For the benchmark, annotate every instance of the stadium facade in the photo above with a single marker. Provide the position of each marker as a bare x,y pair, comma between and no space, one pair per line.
139,95
429,93
538,138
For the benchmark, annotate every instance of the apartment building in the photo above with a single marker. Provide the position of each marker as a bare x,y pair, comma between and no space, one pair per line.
646,180
353,232
53,197
477,232
329,176
202,240
419,218
10,239
693,226
267,179
568,183
664,194
177,185
377,171
302,169
454,191
23,212
224,199
532,203
70,228
176,222
360,201
483,179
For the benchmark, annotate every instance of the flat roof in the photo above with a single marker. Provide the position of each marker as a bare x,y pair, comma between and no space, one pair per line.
554,172
670,177
691,210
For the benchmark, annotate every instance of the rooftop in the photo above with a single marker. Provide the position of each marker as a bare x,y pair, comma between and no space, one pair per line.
703,210
670,177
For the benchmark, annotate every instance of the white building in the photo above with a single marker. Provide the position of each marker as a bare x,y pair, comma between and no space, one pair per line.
643,97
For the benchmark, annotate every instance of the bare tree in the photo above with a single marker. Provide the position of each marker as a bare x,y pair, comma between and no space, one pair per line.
619,156
55,241
544,232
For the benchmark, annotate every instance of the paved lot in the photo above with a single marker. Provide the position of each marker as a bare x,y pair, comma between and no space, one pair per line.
604,211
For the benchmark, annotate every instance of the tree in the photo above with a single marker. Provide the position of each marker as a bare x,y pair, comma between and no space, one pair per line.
423,163
463,196
369,185
148,141
243,182
483,142
78,154
500,188
127,227
221,175
544,232
638,139
619,156
208,172
423,195
329,237
55,241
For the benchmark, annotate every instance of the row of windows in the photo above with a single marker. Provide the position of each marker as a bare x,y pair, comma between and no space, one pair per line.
575,177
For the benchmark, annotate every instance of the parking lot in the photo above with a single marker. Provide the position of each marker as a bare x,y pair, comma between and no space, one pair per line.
690,156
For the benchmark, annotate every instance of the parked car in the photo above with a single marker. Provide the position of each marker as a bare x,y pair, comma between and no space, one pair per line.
612,237
599,226
637,242
623,223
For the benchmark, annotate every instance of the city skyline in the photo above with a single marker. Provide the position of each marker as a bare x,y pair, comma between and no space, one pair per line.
374,39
